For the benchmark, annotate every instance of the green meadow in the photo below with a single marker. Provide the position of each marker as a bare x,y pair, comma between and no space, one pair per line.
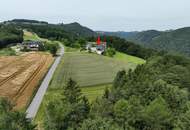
92,69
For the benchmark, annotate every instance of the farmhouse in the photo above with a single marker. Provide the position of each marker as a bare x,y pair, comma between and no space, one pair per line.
31,45
98,47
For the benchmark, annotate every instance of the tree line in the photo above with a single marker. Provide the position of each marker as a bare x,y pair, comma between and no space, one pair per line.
10,34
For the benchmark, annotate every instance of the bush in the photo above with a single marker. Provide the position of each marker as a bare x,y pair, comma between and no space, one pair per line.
110,52
52,47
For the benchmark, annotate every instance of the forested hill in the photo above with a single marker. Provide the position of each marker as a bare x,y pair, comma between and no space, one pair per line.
120,34
27,21
173,40
54,31
177,41
79,30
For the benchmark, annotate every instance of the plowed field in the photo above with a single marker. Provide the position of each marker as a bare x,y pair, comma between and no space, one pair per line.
20,76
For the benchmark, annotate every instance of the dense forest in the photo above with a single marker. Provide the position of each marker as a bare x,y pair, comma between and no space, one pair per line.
173,40
155,96
10,34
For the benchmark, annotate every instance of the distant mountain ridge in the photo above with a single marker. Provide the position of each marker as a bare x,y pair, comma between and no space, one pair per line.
173,40
78,29
120,34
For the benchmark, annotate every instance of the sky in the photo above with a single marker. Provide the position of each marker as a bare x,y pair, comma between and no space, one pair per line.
103,15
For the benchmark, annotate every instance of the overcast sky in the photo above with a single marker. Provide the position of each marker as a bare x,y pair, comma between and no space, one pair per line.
107,15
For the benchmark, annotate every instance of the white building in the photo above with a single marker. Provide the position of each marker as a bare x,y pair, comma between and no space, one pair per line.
93,47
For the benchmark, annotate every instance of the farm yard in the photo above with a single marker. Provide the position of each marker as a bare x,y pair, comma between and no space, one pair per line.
20,75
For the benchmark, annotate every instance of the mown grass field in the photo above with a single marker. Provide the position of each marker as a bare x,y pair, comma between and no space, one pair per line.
91,69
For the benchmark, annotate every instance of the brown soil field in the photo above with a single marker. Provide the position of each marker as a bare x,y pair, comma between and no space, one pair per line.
20,76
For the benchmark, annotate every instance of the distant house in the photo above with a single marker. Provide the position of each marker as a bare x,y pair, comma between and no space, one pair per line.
98,47
31,45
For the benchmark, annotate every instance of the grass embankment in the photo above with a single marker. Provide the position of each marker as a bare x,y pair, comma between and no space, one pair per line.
92,72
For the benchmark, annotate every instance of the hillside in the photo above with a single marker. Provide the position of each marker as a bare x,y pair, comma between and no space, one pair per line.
54,31
172,41
120,34
78,29
145,36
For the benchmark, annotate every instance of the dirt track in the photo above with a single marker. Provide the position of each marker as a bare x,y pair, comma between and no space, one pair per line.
20,75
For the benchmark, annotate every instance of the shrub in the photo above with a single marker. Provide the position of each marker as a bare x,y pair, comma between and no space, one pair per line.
110,52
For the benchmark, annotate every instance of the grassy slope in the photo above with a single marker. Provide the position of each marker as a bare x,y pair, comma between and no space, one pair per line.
91,69
30,36
87,68
33,37
128,58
